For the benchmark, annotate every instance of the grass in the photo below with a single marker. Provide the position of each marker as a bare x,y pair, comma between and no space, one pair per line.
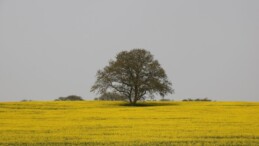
117,123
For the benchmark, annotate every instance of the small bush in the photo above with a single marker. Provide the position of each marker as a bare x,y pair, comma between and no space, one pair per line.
70,98
197,99
164,99
25,100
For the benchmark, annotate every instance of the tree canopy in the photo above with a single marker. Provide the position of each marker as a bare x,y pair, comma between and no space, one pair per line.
133,74
113,96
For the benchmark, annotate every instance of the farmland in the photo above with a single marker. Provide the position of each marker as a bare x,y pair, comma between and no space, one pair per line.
114,123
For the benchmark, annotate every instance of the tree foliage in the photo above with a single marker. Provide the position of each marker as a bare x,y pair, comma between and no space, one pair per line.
133,74
113,96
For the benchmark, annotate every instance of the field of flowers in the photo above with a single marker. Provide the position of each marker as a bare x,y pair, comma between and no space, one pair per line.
114,123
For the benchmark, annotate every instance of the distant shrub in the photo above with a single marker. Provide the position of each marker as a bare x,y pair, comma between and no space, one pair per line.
150,100
197,99
25,100
70,98
164,99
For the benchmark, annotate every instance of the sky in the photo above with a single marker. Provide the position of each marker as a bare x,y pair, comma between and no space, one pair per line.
53,48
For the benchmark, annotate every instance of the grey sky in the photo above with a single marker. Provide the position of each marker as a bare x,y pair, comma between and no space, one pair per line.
53,48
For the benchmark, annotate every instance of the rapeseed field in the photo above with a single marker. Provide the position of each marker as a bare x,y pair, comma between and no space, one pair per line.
115,123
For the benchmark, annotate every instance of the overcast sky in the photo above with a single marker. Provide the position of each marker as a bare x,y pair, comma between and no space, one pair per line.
53,48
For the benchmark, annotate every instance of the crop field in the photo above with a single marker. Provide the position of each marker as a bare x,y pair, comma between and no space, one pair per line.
114,123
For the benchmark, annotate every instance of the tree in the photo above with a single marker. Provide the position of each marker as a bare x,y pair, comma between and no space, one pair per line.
133,74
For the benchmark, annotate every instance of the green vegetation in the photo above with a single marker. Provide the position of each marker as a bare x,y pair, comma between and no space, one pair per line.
70,98
197,99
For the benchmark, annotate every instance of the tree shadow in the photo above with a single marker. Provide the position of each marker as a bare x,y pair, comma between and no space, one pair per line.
149,104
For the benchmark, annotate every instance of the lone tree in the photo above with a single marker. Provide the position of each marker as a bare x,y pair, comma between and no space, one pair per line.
133,74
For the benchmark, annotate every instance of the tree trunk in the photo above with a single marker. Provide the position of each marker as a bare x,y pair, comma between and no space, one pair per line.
135,100
130,100
135,96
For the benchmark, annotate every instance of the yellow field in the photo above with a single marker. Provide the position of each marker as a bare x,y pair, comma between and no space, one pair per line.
112,123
